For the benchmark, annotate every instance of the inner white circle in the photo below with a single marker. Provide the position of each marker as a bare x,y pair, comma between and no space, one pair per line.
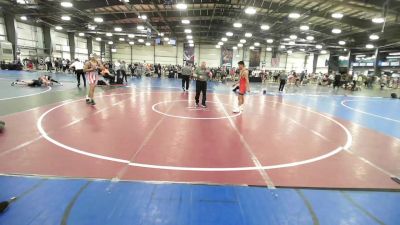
154,107
199,169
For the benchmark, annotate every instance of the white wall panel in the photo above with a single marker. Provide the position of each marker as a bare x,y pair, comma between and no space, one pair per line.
29,36
211,55
142,54
295,62
321,68
166,54
3,33
96,47
123,53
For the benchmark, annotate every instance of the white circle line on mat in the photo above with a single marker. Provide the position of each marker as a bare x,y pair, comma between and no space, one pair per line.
367,113
22,96
199,169
154,107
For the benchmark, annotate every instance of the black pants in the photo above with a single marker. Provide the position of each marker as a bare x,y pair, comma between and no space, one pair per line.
201,86
185,82
354,85
282,85
80,73
49,66
336,83
124,76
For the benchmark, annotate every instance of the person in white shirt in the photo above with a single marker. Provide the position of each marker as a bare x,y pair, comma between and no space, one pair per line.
78,66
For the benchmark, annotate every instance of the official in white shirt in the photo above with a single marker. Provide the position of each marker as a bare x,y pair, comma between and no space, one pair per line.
78,65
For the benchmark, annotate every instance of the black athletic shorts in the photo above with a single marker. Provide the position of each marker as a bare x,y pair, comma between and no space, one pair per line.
36,83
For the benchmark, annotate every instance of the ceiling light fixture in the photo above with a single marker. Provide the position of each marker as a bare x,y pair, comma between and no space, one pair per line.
242,41
240,45
190,41
67,18
248,34
374,37
140,40
66,4
224,39
229,34
189,37
186,21
250,11
58,27
166,39
310,38
98,19
191,45
188,31
293,37
234,47
265,27
81,34
109,34
289,51
294,15
181,6
304,27
98,39
270,41
24,18
220,43
140,27
143,17
110,42
251,47
121,39
282,47
131,43
217,46
269,49
131,35
336,31
369,46
318,46
342,42
323,52
256,44
337,15
378,20
237,25
148,44
292,43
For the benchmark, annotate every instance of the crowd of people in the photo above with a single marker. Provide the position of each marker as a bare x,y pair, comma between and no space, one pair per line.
117,72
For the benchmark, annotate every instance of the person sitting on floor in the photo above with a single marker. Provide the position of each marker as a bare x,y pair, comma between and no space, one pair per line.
107,75
44,80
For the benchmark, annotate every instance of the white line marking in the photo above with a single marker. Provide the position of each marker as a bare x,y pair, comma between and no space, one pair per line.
371,164
250,151
154,107
68,125
151,166
367,113
48,89
312,131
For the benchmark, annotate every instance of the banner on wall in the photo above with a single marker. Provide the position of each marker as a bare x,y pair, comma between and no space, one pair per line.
226,57
255,58
275,61
188,54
